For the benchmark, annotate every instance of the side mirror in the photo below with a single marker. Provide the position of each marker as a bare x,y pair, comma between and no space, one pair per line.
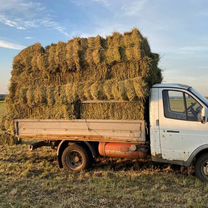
204,115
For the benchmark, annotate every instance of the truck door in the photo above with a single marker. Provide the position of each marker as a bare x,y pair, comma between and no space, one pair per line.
181,130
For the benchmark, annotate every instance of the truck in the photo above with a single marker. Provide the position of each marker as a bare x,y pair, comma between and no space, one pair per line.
174,132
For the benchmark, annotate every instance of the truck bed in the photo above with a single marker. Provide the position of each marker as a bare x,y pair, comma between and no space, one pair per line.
127,131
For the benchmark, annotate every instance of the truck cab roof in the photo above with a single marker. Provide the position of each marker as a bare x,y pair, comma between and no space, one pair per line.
171,85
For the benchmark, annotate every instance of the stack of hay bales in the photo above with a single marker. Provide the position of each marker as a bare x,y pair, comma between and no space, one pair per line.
53,82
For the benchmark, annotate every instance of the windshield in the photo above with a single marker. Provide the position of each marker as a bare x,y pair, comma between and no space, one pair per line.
198,95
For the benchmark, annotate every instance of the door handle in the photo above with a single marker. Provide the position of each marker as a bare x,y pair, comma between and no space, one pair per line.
173,131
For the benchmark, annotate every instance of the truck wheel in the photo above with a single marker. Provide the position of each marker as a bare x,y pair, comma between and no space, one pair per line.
75,158
201,168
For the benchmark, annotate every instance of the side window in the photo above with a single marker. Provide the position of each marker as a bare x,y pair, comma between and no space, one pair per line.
193,109
174,104
181,106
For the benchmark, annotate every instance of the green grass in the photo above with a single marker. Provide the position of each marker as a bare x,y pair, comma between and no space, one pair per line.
33,179
2,109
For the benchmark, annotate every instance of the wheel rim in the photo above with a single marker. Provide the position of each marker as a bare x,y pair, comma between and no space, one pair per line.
205,168
74,160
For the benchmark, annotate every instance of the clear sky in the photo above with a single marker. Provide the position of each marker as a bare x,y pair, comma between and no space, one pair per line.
176,29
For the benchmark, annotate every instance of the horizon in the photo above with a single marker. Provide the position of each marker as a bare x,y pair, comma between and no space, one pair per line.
177,31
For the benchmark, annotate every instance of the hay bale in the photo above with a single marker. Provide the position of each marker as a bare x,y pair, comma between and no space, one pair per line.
52,66
86,91
50,96
30,97
69,92
107,88
115,41
115,90
69,56
47,82
115,111
113,55
140,87
130,91
134,53
122,91
96,91
60,56
40,95
77,52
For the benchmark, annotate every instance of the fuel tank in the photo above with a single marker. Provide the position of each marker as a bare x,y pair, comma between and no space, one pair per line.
123,150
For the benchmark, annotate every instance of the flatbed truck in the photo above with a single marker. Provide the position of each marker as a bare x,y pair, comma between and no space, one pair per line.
175,132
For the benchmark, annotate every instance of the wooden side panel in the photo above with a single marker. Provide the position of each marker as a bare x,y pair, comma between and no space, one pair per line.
86,130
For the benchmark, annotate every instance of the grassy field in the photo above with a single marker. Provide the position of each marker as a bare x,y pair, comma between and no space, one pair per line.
33,179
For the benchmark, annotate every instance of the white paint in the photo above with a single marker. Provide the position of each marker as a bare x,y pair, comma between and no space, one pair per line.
175,146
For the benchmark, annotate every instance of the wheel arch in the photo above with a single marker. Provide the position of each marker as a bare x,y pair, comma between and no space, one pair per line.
90,147
196,154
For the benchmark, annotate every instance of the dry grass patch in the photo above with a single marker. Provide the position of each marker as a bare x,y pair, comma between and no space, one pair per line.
33,179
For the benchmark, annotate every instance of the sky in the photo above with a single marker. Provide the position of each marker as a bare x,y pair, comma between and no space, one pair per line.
176,29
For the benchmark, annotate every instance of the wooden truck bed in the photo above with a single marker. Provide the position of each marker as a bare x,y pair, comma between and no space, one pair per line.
131,131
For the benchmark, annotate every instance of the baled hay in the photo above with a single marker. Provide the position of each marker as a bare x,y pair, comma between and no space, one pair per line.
63,98
91,42
50,96
23,95
117,111
77,53
134,53
107,88
69,92
46,81
39,95
89,56
30,97
80,91
34,63
130,91
96,90
97,56
140,87
122,91
52,66
115,90
42,62
116,40
126,70
87,91
136,37
69,56
113,55
60,56
99,42
74,89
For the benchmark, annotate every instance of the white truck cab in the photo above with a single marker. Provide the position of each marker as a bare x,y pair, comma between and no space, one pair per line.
178,124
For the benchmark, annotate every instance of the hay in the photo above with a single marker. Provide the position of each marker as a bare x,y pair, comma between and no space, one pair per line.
130,91
120,111
47,82
96,91
107,88
113,55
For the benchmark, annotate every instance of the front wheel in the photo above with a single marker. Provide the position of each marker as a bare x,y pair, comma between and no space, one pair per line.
75,158
201,168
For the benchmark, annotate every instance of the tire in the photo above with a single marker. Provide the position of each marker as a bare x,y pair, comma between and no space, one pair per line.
75,158
201,168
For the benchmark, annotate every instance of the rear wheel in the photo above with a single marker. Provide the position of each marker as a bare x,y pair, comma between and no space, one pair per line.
201,168
75,158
